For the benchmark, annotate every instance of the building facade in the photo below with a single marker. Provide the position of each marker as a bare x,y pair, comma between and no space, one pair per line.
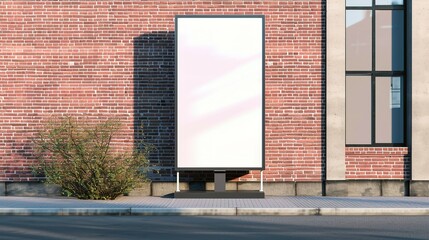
346,88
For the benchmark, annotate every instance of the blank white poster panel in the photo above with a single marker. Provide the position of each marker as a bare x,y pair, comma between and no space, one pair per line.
219,93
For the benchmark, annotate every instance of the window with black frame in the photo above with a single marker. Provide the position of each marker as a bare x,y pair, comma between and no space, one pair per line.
375,72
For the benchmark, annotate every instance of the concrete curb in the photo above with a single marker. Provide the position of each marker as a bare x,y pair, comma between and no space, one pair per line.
374,211
64,211
184,211
215,211
277,211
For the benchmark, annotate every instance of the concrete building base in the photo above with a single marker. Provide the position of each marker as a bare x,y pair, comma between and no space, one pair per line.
166,188
353,188
347,188
308,188
2,189
142,191
279,188
419,189
391,188
366,188
31,189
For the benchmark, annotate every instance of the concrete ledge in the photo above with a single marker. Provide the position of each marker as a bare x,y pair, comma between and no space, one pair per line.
32,189
309,188
392,188
270,188
279,188
165,188
249,186
353,188
278,211
373,211
343,188
419,188
184,211
2,189
142,191
337,189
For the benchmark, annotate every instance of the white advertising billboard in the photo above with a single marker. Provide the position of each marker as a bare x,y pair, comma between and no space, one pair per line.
219,92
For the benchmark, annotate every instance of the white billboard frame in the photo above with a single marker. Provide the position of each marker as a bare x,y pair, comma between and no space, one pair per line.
204,23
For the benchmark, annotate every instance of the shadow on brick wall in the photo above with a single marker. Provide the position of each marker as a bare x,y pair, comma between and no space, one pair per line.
154,105
154,98
323,105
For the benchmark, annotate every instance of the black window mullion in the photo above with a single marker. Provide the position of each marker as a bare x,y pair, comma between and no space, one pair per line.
358,8
373,76
389,7
373,115
358,73
389,73
378,7
405,77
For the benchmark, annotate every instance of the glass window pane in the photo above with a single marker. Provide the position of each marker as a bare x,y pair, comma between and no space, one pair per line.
358,40
389,2
358,3
389,40
389,105
358,110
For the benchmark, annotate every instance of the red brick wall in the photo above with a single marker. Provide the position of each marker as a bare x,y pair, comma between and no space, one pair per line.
377,163
116,58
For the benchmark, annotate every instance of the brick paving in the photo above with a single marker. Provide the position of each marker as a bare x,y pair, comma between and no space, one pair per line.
170,203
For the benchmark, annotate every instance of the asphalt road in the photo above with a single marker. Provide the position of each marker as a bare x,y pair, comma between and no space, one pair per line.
181,227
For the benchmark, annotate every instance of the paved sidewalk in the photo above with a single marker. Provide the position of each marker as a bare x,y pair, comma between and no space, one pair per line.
169,206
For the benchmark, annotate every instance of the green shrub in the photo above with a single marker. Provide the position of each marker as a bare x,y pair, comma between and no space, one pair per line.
79,158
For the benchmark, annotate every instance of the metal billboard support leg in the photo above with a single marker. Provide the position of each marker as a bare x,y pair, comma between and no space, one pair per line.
262,181
177,182
220,181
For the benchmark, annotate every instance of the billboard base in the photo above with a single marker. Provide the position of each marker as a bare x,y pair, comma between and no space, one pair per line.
225,194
